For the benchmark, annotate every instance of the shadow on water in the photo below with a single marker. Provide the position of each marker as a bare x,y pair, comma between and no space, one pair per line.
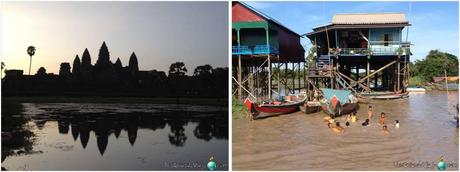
17,137
74,120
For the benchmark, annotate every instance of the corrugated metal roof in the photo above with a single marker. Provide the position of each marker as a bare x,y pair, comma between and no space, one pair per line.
266,16
370,18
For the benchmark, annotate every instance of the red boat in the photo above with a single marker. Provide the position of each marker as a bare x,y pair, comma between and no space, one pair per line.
259,111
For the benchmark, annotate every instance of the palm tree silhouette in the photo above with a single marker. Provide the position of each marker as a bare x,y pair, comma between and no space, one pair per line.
31,52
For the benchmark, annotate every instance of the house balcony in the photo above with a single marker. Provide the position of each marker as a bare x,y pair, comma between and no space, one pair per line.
376,49
255,50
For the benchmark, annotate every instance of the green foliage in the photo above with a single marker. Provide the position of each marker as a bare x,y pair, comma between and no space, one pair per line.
416,81
238,109
434,65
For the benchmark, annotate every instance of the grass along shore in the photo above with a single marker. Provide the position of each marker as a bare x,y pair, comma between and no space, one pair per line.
238,109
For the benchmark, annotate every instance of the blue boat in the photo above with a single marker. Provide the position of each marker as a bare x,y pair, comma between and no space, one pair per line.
338,102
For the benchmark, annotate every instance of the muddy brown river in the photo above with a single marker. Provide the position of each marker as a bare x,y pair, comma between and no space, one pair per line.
298,141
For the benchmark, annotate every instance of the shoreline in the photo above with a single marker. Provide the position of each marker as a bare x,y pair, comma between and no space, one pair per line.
129,100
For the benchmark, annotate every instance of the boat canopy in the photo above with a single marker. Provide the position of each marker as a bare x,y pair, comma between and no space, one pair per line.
342,95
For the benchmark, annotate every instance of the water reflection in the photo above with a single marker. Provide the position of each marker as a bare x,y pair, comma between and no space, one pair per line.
104,124
80,123
17,138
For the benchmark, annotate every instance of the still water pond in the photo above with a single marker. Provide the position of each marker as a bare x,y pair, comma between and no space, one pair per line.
298,141
78,136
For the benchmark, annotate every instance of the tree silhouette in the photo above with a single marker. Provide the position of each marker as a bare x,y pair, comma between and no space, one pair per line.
76,65
41,71
204,70
177,69
31,52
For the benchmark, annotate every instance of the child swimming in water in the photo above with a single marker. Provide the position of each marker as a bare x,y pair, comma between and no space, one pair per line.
382,118
385,129
349,117
369,113
347,123
366,123
337,128
354,118
396,123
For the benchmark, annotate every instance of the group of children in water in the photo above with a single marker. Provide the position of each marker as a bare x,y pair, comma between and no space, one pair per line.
352,118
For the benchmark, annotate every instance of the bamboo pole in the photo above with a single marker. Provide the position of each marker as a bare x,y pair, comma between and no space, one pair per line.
368,70
269,78
278,74
286,78
298,63
373,73
399,75
351,80
240,91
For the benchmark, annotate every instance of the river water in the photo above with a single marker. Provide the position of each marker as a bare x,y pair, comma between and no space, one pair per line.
304,142
79,136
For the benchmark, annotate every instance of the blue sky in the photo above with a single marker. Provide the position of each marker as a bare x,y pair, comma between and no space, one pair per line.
434,24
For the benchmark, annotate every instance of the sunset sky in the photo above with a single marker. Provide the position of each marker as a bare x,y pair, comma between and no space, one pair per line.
160,33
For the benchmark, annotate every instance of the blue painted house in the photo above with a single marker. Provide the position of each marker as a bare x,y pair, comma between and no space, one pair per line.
364,52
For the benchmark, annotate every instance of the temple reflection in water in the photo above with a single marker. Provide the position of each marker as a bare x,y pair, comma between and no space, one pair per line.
213,124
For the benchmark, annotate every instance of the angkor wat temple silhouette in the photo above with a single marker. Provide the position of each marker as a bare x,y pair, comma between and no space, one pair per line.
105,78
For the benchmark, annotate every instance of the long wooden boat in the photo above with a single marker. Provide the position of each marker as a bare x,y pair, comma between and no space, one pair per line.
338,102
265,110
310,107
448,87
385,95
392,96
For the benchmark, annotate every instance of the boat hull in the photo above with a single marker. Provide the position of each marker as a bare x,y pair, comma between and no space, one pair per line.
309,109
269,110
386,96
415,89
347,108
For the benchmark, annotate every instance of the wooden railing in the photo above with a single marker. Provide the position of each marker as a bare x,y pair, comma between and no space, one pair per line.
255,50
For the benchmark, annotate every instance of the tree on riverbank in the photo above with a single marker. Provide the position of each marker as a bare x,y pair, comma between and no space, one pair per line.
434,65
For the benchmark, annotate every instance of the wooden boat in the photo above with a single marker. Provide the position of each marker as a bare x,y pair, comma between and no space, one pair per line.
415,89
385,95
392,96
448,87
347,108
332,103
273,108
310,107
